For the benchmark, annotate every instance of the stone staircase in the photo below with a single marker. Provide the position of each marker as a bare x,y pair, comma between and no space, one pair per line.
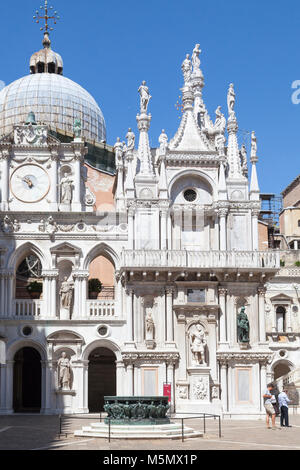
162,431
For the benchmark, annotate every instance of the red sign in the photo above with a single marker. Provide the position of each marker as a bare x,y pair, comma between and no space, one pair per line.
167,391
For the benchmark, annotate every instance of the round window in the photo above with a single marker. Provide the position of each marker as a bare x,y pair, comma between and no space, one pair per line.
102,330
27,330
190,195
282,353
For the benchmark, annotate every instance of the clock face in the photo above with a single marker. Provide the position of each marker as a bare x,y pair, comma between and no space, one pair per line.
29,183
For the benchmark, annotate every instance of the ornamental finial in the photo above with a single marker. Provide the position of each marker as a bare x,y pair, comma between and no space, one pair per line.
46,14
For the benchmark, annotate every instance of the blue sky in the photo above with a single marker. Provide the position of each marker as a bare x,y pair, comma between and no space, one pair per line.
110,47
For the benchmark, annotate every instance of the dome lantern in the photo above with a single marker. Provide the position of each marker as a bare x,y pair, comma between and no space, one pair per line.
46,60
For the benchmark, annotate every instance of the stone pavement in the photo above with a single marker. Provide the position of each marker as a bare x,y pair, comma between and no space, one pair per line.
34,432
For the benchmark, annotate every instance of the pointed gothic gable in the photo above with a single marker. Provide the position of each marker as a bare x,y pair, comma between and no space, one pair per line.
189,136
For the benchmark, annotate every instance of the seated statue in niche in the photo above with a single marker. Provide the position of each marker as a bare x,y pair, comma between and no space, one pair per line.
64,372
243,326
197,344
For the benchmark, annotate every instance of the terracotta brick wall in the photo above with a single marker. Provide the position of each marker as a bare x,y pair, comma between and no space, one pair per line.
262,236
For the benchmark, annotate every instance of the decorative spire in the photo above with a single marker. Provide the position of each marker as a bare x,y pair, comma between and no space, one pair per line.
146,170
254,188
233,153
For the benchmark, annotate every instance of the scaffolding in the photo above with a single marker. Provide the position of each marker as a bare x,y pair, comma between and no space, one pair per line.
271,206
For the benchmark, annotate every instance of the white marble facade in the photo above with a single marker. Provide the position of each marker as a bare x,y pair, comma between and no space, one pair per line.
184,245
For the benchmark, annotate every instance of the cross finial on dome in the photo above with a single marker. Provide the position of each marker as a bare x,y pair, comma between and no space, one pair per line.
46,14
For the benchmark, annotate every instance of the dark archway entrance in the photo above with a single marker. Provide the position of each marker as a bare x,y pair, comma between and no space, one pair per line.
102,377
27,381
281,369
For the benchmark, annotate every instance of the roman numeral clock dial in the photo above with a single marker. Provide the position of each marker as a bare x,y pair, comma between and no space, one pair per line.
30,183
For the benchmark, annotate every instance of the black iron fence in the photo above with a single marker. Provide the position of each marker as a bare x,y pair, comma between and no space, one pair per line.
199,416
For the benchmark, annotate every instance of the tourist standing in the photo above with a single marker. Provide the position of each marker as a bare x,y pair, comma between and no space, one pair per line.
284,408
267,396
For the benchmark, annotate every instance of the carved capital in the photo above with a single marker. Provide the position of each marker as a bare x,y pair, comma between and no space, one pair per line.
262,291
222,291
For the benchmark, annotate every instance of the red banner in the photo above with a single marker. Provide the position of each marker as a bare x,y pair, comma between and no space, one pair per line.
167,391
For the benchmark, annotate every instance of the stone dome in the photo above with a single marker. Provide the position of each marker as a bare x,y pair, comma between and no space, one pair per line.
54,99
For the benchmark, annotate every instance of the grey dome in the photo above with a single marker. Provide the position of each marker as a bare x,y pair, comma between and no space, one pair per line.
56,101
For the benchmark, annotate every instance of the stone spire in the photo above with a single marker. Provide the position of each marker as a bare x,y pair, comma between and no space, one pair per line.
146,169
197,83
233,153
254,188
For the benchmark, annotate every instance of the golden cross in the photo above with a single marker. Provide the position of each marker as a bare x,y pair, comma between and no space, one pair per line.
47,16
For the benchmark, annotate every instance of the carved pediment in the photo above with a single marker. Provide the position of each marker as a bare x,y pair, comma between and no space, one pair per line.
63,337
66,249
281,297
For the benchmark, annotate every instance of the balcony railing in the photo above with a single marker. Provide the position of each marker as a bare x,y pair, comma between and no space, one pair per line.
101,308
200,259
27,308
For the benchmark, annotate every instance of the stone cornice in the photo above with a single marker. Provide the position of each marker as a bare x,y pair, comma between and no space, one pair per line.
130,357
249,357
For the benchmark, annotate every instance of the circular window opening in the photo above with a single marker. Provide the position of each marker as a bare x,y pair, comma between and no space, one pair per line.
102,330
282,353
295,309
27,330
190,195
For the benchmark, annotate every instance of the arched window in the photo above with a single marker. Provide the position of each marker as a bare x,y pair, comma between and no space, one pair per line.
281,319
28,272
102,269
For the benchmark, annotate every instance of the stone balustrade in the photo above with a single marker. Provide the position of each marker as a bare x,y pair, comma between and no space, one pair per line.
27,308
101,308
200,259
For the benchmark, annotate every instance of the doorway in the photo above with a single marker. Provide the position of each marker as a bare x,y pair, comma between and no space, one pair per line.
101,378
27,388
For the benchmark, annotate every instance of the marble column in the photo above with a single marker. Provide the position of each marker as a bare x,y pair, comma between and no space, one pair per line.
170,380
80,294
4,156
163,229
169,231
130,386
263,382
9,387
54,181
10,294
131,236
169,316
261,313
223,229
120,379
255,215
223,314
224,387
2,293
76,202
50,293
288,319
85,388
129,340
2,387
120,188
